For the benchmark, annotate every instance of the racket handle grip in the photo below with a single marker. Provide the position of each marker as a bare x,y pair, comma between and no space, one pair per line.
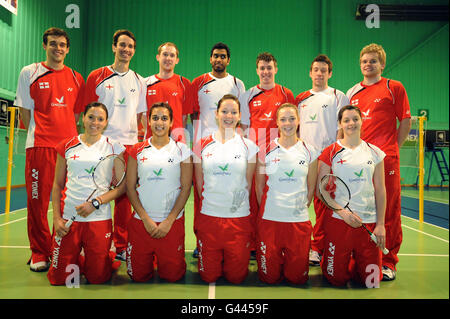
69,222
374,238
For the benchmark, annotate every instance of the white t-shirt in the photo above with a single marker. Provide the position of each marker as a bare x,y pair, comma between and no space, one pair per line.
285,195
208,90
81,160
225,190
124,95
356,168
159,174
318,116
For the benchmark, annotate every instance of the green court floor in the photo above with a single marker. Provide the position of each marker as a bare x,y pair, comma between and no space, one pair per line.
423,273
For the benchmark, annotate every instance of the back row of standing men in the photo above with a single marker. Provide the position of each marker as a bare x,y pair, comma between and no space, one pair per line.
51,97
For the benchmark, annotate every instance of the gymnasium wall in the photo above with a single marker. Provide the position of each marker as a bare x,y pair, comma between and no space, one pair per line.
295,31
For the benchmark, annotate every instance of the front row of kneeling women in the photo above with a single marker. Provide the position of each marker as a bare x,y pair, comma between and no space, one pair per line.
158,183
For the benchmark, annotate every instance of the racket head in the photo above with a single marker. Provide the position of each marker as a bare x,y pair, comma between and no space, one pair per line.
334,192
109,172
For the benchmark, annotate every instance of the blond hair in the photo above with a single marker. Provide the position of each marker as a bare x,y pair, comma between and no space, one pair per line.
169,44
377,49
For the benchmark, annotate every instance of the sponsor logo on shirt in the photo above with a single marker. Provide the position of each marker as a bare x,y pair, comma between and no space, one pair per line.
88,171
289,177
359,177
223,170
157,175
59,102
121,102
366,115
267,116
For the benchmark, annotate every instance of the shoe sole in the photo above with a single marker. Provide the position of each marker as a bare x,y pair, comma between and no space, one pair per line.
40,269
386,278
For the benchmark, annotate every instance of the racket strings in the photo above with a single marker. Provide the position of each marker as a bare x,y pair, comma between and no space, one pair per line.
109,172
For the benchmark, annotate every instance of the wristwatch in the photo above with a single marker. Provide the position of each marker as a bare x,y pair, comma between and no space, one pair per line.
95,203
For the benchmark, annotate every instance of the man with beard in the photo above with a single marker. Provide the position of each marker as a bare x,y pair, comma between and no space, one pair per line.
204,94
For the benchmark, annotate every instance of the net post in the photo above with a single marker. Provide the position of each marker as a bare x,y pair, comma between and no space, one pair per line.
421,167
10,158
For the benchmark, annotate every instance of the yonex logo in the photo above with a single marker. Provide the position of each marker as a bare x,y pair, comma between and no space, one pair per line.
34,184
330,259
263,248
44,85
332,248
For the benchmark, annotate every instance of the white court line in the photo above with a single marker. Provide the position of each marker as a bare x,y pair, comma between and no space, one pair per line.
15,247
421,255
425,223
212,291
13,221
422,232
